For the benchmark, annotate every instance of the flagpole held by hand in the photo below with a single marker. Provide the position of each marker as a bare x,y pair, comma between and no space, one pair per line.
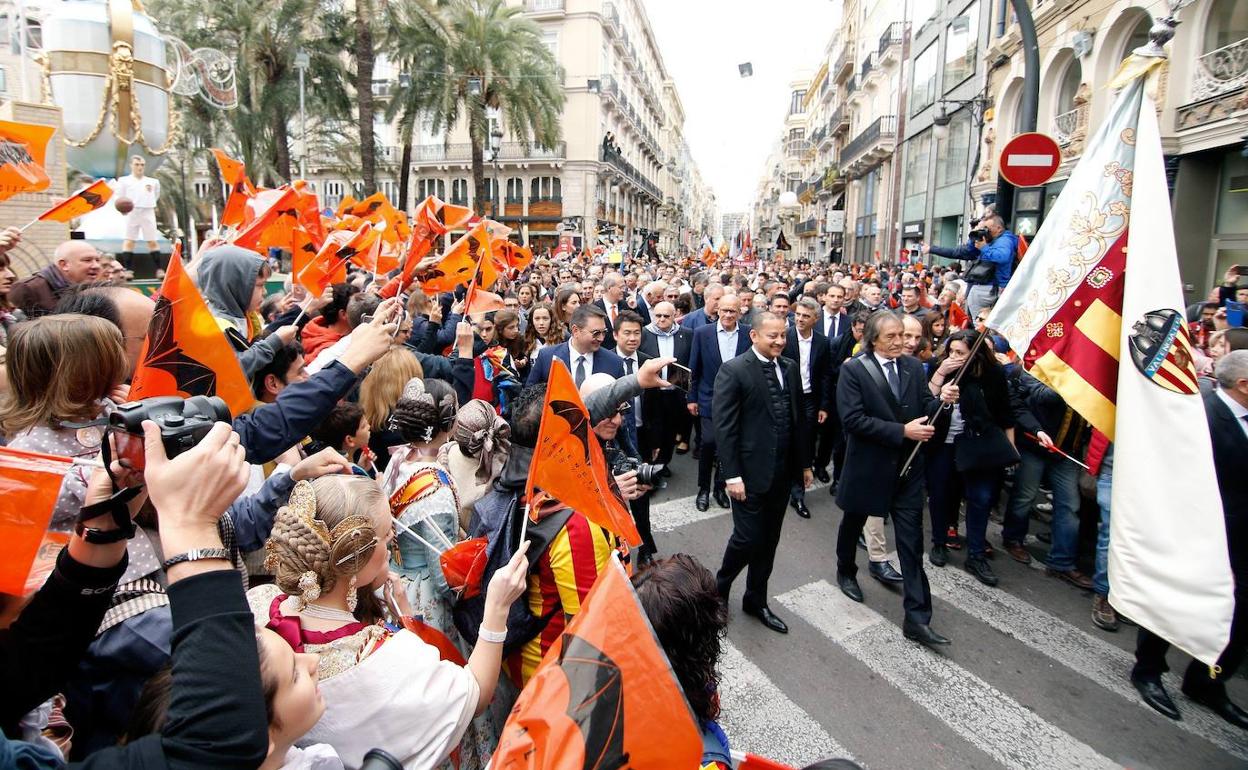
946,408
1055,450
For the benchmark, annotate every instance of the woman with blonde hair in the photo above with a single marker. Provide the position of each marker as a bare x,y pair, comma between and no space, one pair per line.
329,551
379,392
63,371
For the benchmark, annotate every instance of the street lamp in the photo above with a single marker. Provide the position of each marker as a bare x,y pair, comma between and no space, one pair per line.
496,146
301,63
942,119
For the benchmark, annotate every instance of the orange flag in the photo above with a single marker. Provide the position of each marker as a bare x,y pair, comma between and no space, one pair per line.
84,201
23,147
432,220
30,483
377,208
274,216
186,352
604,695
309,211
310,270
513,255
568,464
462,263
234,176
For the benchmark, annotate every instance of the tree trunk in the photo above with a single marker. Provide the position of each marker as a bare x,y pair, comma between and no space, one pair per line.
478,177
364,92
405,173
281,144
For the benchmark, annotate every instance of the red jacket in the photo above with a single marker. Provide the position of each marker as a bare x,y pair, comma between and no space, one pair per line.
317,336
1097,447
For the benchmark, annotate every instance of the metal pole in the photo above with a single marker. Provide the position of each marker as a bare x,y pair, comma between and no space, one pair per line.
303,128
1029,109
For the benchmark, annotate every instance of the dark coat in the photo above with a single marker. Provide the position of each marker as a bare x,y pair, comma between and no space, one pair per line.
873,423
1037,407
270,429
1230,447
604,361
682,348
820,368
745,438
704,360
984,401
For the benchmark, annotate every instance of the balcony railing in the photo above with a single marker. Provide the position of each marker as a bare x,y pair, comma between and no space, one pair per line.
892,36
1221,71
543,6
611,18
1067,124
851,86
867,65
839,120
631,173
884,127
844,64
809,227
435,153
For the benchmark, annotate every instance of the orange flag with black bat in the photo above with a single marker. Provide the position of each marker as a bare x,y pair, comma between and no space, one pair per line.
23,147
568,463
274,214
377,208
30,483
84,201
432,220
462,263
234,177
308,209
310,270
604,695
512,255
186,352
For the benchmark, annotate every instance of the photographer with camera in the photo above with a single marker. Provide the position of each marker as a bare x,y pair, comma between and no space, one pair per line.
994,249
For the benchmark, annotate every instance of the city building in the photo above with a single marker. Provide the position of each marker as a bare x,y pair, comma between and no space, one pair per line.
1203,112
730,224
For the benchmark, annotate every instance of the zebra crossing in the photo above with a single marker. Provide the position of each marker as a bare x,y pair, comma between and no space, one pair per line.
988,721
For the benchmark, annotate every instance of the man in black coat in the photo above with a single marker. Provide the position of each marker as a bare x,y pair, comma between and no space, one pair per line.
664,415
1226,410
760,436
806,347
884,402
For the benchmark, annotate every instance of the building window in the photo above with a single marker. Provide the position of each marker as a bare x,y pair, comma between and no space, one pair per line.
795,104
389,188
515,190
953,153
960,46
459,192
1228,23
551,41
923,87
923,11
864,227
434,187
1071,78
4,81
202,190
918,161
333,193
491,192
545,188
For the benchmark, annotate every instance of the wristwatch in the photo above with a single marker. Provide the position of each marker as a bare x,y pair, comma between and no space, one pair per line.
197,554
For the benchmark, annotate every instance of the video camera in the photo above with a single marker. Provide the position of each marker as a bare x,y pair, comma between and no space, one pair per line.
183,423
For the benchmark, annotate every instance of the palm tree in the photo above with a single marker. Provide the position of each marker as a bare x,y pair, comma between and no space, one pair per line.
364,59
483,55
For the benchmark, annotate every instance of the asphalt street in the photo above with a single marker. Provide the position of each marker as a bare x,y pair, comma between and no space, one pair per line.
1029,681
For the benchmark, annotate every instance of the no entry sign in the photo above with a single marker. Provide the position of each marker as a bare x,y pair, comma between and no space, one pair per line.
1029,160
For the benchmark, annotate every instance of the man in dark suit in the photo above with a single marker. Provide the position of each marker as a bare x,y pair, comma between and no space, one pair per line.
833,323
809,350
663,409
831,447
611,304
1226,410
582,352
713,344
833,320
759,431
884,402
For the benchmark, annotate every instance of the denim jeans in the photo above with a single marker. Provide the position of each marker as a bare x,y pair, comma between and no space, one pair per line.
981,490
1063,478
1100,575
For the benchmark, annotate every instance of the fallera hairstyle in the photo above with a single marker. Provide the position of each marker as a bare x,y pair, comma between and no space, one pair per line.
58,367
299,544
679,597
425,410
383,385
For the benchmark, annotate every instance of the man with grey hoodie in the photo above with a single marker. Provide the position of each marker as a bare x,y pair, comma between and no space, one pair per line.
231,280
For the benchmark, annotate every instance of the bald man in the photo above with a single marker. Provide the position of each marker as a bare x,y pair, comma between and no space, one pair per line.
664,415
73,263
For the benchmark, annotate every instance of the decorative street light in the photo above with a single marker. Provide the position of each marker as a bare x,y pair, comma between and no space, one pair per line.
496,147
301,63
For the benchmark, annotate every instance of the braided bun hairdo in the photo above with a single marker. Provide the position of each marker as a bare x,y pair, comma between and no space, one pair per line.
425,410
324,533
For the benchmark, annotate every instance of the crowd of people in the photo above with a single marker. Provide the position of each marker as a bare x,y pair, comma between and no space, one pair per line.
386,431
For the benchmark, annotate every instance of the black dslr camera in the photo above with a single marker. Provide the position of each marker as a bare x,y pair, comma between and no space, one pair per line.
647,473
980,234
183,423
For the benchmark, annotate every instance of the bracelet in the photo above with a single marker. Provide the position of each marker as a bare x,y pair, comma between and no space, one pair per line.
197,554
495,637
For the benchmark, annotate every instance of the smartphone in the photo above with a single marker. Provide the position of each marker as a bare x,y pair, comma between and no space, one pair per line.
681,367
1241,270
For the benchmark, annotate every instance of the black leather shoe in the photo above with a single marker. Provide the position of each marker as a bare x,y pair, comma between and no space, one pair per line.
703,500
849,586
800,507
938,556
1155,695
821,475
982,572
923,635
1218,704
721,498
885,572
832,487
768,619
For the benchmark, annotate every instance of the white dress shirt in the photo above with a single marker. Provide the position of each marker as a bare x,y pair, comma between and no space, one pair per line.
635,366
779,376
803,355
574,356
833,325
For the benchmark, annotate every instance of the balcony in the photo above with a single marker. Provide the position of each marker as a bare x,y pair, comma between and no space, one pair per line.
839,122
462,153
890,42
609,87
1222,71
807,228
872,145
832,182
626,169
1068,125
544,7
610,19
844,66
867,65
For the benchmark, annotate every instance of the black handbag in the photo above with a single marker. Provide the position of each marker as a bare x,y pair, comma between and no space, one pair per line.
987,450
982,272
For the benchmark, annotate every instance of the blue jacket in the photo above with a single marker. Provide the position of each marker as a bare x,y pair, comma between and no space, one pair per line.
704,360
1000,251
604,361
270,429
696,320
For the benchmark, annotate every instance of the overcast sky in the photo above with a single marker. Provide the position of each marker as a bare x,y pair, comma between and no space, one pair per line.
730,121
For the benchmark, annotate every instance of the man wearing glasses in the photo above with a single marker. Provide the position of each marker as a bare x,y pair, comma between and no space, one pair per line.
583,352
664,416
